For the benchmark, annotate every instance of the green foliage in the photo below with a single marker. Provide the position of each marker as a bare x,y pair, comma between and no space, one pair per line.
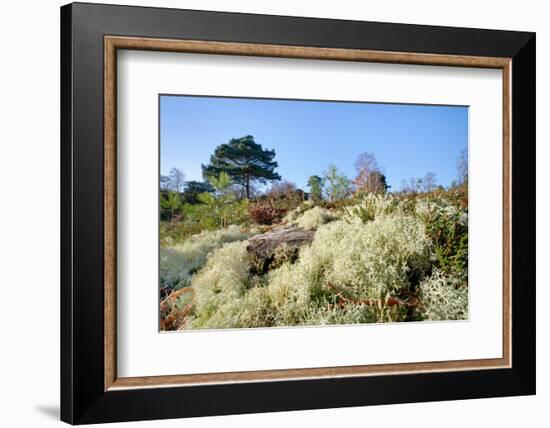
369,206
212,211
194,188
220,183
170,204
447,227
337,185
364,211
244,161
220,206
315,184
209,214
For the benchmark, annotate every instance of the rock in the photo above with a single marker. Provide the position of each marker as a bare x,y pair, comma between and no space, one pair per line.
262,247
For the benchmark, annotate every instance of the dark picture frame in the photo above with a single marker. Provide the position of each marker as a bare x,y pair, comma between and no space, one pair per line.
90,36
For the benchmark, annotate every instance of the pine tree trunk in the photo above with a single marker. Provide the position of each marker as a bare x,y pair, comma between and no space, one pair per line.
247,187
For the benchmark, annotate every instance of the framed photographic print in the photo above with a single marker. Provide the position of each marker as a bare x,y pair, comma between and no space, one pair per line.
265,213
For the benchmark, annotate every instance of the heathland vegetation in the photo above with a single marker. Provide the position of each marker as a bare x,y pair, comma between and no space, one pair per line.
247,248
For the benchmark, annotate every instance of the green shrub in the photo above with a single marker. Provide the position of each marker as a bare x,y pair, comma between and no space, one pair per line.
196,218
170,205
369,206
447,228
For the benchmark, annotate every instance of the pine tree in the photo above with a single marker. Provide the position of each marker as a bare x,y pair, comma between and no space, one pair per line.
244,160
315,184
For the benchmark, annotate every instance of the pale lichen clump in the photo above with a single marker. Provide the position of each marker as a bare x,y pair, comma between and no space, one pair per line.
362,263
443,298
315,217
179,262
220,285
383,260
369,261
293,215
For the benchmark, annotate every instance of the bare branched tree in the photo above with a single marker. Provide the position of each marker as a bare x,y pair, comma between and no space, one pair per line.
462,167
369,177
429,182
177,180
281,189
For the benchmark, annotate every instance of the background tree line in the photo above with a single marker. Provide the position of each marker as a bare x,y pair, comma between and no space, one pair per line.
235,169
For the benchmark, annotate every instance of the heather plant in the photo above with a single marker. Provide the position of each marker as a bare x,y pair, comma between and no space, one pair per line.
447,227
371,205
265,214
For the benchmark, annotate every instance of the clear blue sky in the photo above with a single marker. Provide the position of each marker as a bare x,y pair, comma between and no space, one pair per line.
407,140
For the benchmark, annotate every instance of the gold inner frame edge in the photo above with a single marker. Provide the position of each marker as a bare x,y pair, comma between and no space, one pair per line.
113,43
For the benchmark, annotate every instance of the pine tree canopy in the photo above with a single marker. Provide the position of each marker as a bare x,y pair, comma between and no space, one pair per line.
244,161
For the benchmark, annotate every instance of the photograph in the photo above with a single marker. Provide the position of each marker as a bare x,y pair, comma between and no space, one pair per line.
284,213
281,210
